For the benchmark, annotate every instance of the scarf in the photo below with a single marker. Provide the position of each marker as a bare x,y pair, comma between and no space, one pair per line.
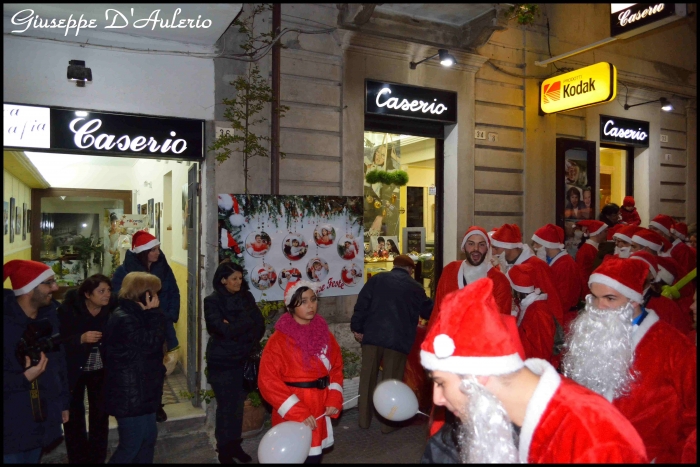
469,273
311,339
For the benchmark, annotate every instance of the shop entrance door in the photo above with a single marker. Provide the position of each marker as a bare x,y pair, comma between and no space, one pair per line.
193,328
616,174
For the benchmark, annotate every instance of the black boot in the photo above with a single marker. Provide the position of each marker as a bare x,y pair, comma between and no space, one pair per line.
225,453
238,453
161,416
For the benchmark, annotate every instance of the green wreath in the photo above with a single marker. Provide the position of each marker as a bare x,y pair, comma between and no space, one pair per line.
396,177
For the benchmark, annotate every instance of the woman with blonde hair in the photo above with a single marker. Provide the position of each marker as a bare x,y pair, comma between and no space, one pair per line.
134,372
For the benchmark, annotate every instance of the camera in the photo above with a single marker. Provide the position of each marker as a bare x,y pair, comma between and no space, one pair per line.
37,338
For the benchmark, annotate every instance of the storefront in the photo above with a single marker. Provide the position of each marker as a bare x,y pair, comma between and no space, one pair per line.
111,174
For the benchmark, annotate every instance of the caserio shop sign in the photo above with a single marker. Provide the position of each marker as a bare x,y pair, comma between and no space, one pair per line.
410,102
629,19
624,131
591,85
82,131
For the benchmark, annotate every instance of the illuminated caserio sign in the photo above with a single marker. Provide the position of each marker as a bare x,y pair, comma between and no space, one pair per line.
630,19
413,102
591,85
624,131
81,131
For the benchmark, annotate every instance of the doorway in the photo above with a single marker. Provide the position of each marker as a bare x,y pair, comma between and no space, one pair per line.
616,174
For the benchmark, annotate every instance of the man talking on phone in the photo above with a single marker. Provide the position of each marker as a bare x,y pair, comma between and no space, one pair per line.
35,396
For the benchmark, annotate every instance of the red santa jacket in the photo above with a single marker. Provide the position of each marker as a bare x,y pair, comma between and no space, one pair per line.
536,330
567,279
690,451
585,258
662,400
566,423
545,282
685,257
282,362
630,217
669,312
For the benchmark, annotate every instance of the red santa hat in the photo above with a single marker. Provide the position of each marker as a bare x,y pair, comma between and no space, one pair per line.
680,230
626,232
593,227
25,275
626,277
507,236
294,286
649,239
662,222
649,259
225,202
470,337
143,241
228,242
628,202
475,230
550,236
520,278
668,269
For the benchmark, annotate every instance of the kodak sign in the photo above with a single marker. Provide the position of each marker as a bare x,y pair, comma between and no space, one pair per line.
591,85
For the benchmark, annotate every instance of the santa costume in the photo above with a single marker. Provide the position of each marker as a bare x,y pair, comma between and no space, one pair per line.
563,422
565,273
508,236
585,256
661,403
630,217
535,323
625,234
306,355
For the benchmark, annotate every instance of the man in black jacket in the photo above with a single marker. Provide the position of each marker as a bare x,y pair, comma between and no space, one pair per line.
36,397
384,322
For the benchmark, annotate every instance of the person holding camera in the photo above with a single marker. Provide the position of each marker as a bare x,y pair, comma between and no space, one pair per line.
83,316
132,354
145,256
35,386
235,325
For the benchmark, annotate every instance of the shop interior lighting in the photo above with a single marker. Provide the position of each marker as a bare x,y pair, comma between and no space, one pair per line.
665,104
79,73
446,59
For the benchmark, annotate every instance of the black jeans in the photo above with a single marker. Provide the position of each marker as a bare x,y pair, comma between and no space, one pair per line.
84,449
227,384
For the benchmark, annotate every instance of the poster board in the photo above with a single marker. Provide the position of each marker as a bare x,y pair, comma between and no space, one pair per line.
278,239
414,239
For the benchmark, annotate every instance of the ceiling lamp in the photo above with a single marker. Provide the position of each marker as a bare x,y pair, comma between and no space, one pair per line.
446,59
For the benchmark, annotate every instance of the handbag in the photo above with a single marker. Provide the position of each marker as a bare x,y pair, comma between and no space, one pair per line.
251,368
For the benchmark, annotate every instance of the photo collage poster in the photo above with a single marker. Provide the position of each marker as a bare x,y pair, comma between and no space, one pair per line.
282,239
578,197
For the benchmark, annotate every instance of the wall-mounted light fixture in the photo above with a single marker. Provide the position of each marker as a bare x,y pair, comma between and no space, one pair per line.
148,184
78,73
666,106
445,59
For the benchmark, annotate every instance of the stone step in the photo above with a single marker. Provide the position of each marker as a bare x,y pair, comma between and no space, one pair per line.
183,420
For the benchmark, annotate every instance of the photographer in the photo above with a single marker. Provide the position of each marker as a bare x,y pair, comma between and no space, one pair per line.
30,424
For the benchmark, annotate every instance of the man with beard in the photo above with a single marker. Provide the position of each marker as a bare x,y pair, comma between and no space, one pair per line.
549,241
536,326
666,308
36,398
506,243
479,376
623,351
623,240
458,274
596,231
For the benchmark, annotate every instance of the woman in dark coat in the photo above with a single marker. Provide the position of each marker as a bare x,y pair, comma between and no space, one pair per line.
134,372
235,324
83,316
145,256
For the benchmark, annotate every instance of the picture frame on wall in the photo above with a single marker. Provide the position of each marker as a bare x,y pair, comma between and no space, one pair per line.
29,221
24,221
6,217
184,216
151,217
138,209
18,221
144,210
157,215
12,220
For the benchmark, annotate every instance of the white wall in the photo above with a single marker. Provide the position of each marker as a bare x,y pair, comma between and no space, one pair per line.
35,73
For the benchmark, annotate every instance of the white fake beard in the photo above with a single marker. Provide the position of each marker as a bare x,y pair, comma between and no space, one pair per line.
541,254
599,350
500,262
623,252
487,434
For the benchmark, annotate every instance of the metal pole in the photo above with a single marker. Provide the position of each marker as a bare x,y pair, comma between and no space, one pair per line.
275,118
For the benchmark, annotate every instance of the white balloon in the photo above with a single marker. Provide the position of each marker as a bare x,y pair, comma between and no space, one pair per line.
394,400
286,443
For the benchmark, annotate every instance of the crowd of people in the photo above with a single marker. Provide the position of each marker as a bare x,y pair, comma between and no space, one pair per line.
535,356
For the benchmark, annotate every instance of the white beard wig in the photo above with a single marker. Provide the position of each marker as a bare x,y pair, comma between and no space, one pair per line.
599,350
487,434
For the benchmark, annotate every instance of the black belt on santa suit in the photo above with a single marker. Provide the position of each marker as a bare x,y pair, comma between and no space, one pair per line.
321,383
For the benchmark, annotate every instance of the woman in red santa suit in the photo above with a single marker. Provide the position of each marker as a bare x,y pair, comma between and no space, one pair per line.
480,376
646,368
301,370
